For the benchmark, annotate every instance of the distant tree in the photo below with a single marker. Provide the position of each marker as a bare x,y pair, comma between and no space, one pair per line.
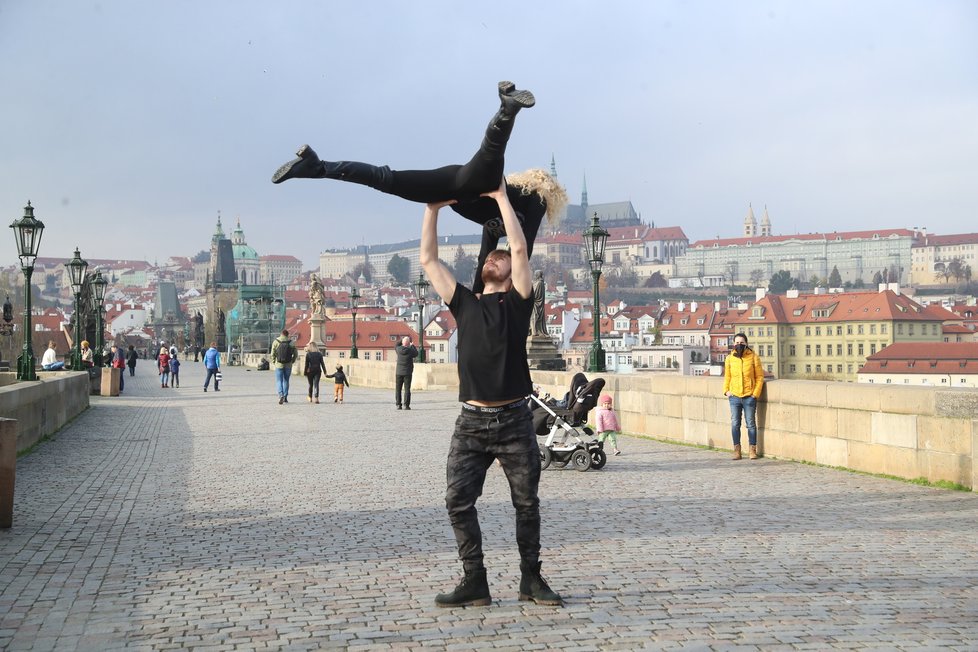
835,278
756,277
201,256
894,273
657,280
399,268
365,269
814,280
877,278
953,269
781,282
858,283
464,265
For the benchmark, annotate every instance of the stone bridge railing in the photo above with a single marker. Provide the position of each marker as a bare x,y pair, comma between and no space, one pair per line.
908,432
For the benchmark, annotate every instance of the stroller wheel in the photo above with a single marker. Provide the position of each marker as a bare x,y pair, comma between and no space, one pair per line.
545,458
581,460
598,458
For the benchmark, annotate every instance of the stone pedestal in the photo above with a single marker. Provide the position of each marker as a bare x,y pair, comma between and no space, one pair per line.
541,353
110,381
317,330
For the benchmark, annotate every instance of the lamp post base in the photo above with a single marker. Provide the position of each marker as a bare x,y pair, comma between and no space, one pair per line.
595,358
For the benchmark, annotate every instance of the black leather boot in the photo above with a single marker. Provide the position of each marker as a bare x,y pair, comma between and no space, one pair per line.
308,166
501,125
534,587
472,590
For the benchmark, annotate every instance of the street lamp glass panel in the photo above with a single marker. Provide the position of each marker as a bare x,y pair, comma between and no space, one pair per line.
595,239
354,299
421,286
98,289
76,270
28,231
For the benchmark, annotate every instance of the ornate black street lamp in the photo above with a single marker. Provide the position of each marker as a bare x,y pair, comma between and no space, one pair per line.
354,304
595,239
98,297
421,288
27,231
76,271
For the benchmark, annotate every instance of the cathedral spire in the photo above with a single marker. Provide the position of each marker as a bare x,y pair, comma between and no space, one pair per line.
584,195
750,223
553,166
765,223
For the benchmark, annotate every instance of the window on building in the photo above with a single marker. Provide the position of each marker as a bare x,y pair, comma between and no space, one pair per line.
818,330
838,330
861,350
849,368
770,331
808,349
791,349
342,354
808,368
791,331
872,349
848,349
848,329
910,330
770,368
872,329
899,328
859,329
791,368
838,349
838,368
883,329
808,331
818,368
828,350
770,349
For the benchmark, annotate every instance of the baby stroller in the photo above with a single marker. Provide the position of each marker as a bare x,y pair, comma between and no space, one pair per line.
568,440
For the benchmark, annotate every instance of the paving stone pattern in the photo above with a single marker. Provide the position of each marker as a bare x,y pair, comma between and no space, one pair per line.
170,519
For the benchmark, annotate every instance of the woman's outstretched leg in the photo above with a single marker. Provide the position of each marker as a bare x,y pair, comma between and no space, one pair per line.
481,174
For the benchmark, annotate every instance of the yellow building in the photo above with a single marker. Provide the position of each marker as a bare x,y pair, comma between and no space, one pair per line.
829,336
942,259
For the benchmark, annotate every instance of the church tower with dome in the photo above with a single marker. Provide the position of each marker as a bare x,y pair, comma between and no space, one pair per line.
246,263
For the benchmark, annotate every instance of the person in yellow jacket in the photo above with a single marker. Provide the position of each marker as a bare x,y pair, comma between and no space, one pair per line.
743,379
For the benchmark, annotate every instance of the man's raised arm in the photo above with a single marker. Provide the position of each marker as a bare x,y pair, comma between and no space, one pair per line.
440,276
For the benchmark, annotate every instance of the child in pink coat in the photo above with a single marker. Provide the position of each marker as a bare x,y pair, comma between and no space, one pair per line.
607,422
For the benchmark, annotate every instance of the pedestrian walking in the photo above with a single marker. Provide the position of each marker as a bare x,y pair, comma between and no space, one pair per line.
212,362
339,380
284,355
606,422
174,371
163,362
131,358
315,367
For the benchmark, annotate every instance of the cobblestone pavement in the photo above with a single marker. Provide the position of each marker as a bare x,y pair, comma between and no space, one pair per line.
174,518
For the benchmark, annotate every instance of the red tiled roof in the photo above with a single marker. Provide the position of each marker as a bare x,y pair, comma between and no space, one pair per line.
846,306
946,240
665,233
924,358
585,329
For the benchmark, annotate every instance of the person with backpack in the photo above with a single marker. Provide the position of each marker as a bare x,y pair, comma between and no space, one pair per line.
284,354
163,361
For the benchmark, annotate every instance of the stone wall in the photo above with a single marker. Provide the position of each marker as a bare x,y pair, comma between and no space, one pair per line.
43,406
908,432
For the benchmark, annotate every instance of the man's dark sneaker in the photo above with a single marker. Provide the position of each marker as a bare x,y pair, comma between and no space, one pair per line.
534,587
307,166
472,590
281,399
407,407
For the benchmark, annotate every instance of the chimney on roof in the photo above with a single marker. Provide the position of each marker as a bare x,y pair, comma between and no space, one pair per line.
693,306
681,306
716,306
760,293
792,293
819,289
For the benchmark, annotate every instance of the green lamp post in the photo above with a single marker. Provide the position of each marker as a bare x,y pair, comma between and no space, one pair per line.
421,288
354,304
76,271
28,232
98,297
595,239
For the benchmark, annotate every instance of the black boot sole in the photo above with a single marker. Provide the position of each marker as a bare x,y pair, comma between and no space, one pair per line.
284,172
479,602
525,597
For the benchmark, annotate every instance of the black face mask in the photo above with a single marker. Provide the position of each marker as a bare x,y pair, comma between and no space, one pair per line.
739,349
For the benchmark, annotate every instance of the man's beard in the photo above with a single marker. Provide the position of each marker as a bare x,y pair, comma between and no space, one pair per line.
492,275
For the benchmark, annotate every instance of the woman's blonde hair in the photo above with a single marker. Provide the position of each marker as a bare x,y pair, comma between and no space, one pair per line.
545,185
312,346
85,343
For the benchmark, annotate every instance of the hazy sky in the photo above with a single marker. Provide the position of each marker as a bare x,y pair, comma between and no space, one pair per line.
129,124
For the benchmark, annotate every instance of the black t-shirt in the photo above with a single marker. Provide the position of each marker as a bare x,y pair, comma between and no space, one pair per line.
492,335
